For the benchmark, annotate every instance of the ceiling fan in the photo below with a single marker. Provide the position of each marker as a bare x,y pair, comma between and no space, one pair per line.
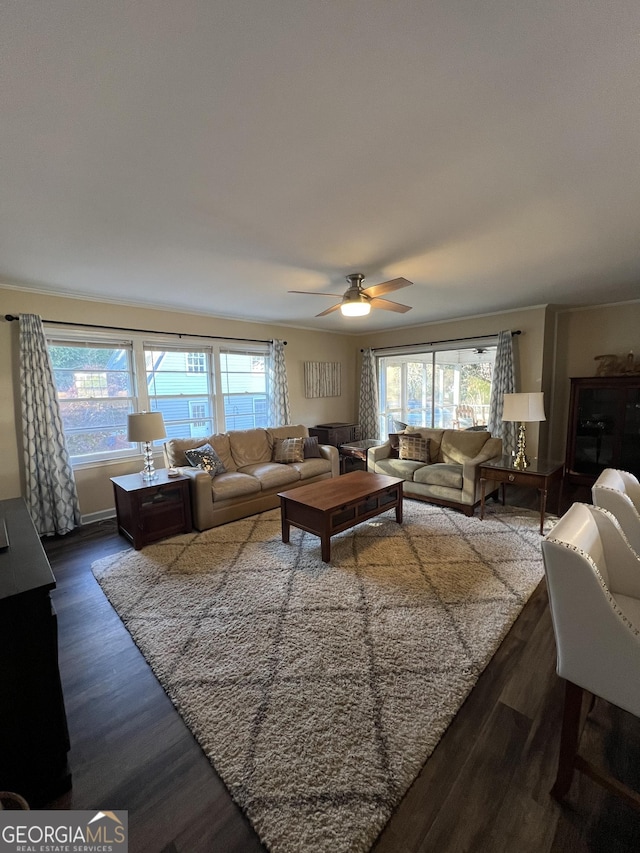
358,300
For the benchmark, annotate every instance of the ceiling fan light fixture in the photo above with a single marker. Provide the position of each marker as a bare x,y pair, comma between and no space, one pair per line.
355,308
354,302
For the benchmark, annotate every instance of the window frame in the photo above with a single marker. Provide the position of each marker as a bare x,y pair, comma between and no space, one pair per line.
55,338
138,343
420,352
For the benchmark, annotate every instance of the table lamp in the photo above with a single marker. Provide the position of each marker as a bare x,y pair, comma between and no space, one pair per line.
145,427
523,407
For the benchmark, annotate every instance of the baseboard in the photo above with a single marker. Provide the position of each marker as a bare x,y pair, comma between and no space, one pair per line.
102,515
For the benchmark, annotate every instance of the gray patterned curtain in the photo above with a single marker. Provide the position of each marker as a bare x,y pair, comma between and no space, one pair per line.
279,410
368,410
51,494
504,382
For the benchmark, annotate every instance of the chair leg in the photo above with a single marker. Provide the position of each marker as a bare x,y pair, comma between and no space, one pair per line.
568,739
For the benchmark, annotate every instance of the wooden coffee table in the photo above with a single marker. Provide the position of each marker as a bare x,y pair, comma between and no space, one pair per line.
331,506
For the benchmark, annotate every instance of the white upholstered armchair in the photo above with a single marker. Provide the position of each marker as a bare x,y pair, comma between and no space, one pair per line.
619,492
593,578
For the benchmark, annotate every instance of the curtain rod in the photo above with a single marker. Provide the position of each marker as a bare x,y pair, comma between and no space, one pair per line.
11,317
449,341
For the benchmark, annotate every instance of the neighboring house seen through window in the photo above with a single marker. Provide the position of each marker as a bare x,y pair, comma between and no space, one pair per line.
96,393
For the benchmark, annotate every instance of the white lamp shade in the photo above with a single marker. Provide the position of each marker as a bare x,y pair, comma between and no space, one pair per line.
524,407
145,426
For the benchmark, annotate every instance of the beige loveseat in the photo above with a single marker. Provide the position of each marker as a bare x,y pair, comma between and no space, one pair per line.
451,476
251,481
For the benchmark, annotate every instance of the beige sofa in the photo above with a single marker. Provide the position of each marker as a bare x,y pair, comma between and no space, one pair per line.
252,481
451,477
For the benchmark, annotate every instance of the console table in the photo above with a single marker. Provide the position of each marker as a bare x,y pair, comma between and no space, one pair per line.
33,725
336,433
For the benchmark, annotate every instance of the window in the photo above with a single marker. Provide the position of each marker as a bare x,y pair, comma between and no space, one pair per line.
196,362
96,393
439,388
244,388
199,389
182,394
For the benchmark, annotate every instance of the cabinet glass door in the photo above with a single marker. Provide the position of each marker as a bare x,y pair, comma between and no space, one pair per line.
630,449
596,430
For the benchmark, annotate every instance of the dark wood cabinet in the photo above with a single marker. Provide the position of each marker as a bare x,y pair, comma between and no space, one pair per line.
149,511
604,427
34,740
336,433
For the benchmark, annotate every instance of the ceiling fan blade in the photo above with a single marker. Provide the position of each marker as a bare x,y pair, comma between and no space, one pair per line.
388,305
313,293
329,310
386,286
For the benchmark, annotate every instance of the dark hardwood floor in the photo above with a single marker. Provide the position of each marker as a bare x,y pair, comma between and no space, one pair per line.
485,788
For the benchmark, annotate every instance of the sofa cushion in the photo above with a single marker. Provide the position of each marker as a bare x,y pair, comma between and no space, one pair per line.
312,467
435,439
398,467
287,431
439,474
206,458
272,475
460,446
414,447
288,450
249,446
175,450
233,485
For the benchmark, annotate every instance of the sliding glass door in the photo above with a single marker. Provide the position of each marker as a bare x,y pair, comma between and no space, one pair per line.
447,389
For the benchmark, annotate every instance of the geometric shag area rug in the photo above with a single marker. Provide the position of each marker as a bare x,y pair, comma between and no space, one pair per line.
319,690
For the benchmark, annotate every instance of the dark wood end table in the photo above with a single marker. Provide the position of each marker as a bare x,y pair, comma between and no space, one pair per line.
540,474
356,451
331,506
151,510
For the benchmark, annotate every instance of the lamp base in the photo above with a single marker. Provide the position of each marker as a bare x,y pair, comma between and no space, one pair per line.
149,472
521,461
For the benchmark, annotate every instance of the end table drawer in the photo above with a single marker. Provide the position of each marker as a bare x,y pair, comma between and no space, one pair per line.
515,477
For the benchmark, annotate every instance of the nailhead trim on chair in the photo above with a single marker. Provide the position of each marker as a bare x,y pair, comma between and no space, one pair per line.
614,606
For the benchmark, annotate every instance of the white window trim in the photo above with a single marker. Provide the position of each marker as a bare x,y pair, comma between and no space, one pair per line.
137,341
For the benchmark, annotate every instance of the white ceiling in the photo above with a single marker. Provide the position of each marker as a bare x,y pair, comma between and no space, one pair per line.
211,155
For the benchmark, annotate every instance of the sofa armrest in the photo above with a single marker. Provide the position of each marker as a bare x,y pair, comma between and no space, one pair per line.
492,450
374,454
201,497
328,451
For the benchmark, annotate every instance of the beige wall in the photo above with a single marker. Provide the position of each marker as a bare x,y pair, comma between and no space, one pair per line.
580,335
529,347
554,345
94,486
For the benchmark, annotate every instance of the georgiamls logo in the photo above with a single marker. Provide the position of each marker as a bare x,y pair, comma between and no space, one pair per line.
100,815
71,831
104,831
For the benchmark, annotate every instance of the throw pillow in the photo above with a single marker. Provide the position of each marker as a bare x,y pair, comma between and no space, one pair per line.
394,444
288,450
414,447
206,458
311,449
